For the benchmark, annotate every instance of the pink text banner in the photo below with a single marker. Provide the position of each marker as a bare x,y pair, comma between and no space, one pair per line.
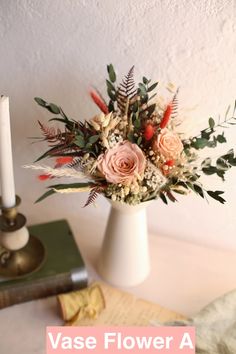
119,340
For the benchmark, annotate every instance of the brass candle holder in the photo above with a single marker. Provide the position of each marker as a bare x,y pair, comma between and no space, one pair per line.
20,253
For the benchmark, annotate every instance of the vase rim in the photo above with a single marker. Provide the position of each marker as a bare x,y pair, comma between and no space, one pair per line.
124,206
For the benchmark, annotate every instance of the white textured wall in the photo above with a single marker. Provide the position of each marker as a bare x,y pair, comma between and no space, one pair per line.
58,48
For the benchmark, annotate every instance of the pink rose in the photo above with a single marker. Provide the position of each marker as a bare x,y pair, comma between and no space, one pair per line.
123,163
168,144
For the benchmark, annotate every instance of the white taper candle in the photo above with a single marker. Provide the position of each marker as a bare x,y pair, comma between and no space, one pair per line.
6,163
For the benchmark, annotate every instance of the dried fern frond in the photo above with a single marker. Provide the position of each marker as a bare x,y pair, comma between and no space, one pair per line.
93,195
126,90
56,136
77,163
50,134
174,105
58,172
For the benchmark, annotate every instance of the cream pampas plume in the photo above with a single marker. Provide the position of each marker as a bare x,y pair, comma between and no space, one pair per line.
58,172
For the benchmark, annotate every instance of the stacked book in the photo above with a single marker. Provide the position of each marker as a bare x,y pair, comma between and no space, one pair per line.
63,270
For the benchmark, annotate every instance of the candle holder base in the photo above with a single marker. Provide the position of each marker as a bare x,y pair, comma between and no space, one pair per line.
23,262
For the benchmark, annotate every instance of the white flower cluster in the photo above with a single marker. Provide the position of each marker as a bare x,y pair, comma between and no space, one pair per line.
153,178
114,139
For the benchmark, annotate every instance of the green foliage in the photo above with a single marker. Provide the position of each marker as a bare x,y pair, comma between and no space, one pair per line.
53,189
198,189
211,123
152,87
199,143
150,110
145,80
111,89
143,92
223,164
220,138
111,72
51,107
45,195
80,141
163,198
40,101
93,139
111,106
139,141
207,137
217,196
131,137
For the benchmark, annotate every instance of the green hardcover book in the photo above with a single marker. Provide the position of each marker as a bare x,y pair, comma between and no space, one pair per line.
62,271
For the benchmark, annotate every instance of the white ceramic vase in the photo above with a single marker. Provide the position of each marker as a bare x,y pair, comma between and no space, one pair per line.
124,258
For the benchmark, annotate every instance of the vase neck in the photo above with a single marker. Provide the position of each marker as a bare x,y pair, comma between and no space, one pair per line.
127,208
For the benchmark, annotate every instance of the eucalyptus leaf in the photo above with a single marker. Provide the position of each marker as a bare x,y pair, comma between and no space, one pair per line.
145,80
222,164
228,155
209,170
144,98
212,144
110,86
163,198
139,140
151,109
211,123
206,162
88,146
93,139
40,101
111,73
45,195
135,107
150,98
137,123
62,120
53,108
216,195
198,190
130,137
152,87
142,88
111,106
221,139
206,134
111,94
232,161
200,143
79,141
176,190
47,153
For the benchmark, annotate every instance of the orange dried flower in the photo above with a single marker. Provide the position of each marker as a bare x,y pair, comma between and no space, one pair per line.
44,177
149,132
63,160
99,102
166,116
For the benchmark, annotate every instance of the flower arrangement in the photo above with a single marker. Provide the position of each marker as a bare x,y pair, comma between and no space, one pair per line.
131,151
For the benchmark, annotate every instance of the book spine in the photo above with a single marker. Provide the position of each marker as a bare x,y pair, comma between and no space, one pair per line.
41,288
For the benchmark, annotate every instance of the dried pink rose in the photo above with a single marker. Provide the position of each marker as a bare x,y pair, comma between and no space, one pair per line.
122,164
168,144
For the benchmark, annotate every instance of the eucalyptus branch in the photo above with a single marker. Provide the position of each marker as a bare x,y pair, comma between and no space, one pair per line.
207,132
